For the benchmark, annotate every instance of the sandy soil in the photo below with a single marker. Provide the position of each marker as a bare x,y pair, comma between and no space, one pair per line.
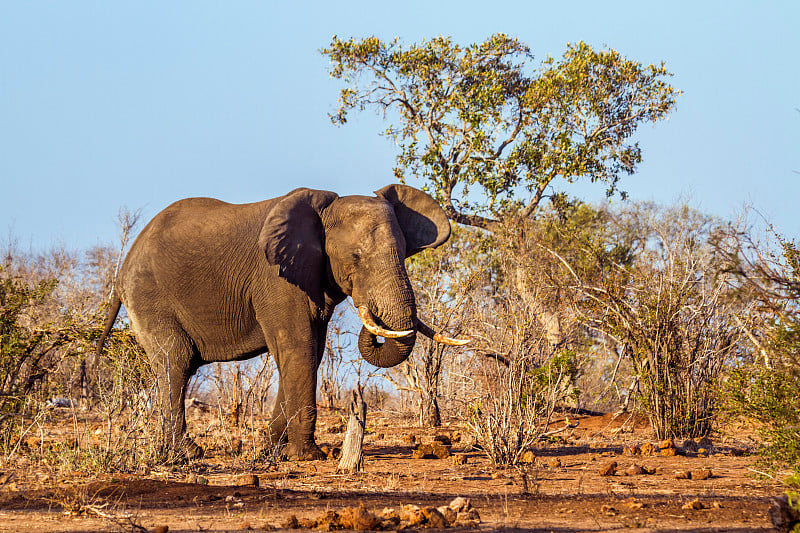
566,491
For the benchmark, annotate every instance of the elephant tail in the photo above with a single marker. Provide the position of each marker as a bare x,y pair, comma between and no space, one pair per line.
111,317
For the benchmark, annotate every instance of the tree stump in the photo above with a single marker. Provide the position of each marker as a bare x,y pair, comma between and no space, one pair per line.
352,447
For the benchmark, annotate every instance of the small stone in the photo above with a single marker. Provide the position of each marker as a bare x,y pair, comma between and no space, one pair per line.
703,473
528,457
634,470
448,514
440,450
647,449
412,514
247,480
669,452
468,518
668,443
360,519
608,469
631,450
689,445
460,504
160,529
633,503
434,518
694,505
608,510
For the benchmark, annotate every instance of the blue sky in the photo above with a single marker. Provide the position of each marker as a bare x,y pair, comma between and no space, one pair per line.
105,104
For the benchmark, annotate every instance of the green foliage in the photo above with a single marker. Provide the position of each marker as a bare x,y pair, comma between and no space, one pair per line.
670,312
480,116
768,389
23,344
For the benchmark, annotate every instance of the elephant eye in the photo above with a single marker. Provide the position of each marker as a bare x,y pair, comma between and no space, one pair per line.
356,256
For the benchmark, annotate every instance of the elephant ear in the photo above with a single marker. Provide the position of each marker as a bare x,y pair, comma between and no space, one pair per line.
293,238
423,221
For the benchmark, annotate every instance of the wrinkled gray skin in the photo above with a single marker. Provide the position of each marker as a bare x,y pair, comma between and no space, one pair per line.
209,281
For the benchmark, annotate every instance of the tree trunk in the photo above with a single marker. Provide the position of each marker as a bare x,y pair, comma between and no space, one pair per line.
352,447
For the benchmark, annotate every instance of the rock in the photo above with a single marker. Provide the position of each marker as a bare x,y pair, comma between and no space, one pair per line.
689,445
647,449
359,518
738,452
694,504
649,470
702,452
390,518
291,523
680,474
631,450
440,450
419,454
431,451
668,443
705,442
459,459
703,473
160,529
634,470
528,457
468,518
460,504
669,452
633,503
608,469
434,518
329,521
448,514
412,514
247,480
782,515
608,510
408,439
443,439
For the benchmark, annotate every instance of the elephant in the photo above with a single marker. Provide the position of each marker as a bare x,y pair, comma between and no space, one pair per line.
208,281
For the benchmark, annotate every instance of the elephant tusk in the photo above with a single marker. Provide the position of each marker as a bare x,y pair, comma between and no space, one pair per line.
375,329
438,337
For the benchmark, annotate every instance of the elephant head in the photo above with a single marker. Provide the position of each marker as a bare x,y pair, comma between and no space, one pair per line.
356,246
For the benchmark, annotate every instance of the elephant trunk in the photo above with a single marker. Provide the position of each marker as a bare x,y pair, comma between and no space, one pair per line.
389,353
395,308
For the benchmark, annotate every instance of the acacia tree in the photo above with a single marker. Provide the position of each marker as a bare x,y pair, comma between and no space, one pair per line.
482,117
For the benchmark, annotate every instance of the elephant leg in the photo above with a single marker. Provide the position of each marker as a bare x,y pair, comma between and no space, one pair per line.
297,369
278,422
171,357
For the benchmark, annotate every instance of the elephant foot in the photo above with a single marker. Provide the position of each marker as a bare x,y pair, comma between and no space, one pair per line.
304,452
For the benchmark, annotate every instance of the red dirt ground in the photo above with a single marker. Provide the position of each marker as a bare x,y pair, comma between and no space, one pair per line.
566,492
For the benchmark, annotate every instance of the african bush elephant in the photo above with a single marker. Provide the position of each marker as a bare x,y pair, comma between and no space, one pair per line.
208,281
